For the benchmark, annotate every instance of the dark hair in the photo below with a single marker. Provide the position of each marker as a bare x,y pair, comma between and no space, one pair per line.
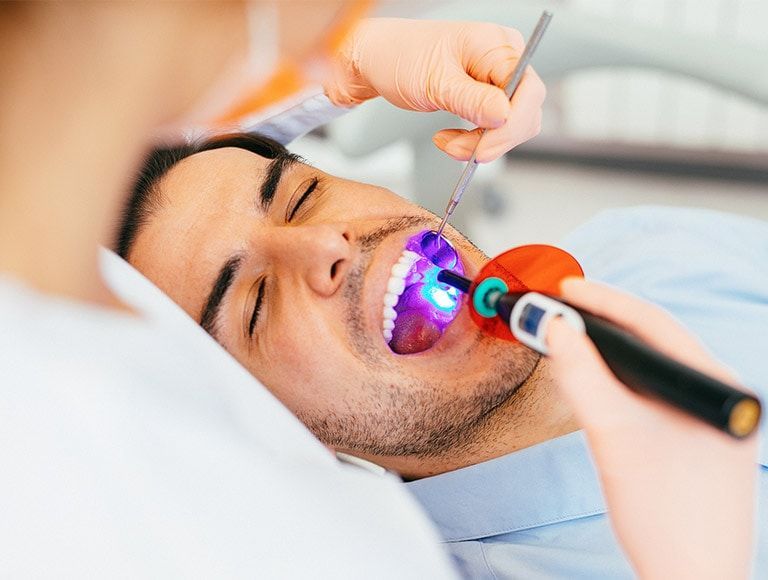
145,196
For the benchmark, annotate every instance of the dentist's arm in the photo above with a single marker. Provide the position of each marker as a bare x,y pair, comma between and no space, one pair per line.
459,67
680,493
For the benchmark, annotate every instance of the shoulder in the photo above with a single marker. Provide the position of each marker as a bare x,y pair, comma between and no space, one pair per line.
654,217
676,255
614,242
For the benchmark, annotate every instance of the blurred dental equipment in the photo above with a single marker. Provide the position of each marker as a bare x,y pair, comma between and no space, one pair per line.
517,76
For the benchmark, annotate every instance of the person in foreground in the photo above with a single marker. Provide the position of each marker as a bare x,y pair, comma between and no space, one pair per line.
293,271
133,446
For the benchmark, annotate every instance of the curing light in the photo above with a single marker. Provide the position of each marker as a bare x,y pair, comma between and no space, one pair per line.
436,293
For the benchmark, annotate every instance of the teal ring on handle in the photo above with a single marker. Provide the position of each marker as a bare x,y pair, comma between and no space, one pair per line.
478,297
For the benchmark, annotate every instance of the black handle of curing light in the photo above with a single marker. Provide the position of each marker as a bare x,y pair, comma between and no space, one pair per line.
647,371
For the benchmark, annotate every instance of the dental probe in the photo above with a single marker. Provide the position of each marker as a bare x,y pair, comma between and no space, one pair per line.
517,76
636,364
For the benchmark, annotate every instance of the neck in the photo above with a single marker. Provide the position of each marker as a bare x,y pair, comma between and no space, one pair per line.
534,414
65,157
51,241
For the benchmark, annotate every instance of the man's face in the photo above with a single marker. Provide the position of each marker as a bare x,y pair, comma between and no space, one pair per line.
306,277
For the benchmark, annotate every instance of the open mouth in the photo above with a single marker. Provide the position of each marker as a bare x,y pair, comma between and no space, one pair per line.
418,308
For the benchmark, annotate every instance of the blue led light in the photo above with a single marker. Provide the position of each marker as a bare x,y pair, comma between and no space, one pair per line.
439,295
441,299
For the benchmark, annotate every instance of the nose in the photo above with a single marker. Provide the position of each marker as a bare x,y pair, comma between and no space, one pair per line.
320,254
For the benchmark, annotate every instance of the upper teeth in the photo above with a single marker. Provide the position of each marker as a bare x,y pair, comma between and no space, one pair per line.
395,288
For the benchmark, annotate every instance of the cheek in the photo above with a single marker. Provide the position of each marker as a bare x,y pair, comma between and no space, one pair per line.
308,367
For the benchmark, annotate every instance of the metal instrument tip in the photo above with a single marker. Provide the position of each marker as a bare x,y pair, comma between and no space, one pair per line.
439,231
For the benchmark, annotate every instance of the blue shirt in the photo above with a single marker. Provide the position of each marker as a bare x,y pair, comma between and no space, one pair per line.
539,512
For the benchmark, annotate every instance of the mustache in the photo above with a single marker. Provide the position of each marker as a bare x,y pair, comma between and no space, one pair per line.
370,241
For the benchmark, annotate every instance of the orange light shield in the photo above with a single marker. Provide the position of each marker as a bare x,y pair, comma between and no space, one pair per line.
536,267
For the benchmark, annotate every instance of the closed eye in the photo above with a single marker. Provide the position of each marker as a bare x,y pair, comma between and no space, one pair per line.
256,308
304,197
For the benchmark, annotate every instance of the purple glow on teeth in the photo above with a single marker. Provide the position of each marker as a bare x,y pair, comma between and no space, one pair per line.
426,306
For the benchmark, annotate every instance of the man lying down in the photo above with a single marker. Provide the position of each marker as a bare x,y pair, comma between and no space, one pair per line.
306,279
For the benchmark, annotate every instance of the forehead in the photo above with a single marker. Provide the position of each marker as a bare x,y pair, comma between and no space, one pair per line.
213,181
208,204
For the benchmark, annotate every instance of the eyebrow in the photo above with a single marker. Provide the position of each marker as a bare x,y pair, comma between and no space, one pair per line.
275,171
228,272
210,313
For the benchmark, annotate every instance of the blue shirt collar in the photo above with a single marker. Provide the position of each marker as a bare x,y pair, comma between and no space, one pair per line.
550,482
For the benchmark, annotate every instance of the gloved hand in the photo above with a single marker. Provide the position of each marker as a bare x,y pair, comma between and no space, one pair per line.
680,493
425,65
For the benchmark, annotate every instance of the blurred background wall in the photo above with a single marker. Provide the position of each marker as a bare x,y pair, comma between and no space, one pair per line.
649,102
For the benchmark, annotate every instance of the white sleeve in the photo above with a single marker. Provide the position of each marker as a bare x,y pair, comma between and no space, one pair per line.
293,117
180,464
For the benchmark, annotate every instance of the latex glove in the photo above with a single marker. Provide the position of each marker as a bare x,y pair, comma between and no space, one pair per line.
680,494
424,65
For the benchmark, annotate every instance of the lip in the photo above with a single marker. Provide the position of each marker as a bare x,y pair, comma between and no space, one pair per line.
379,271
